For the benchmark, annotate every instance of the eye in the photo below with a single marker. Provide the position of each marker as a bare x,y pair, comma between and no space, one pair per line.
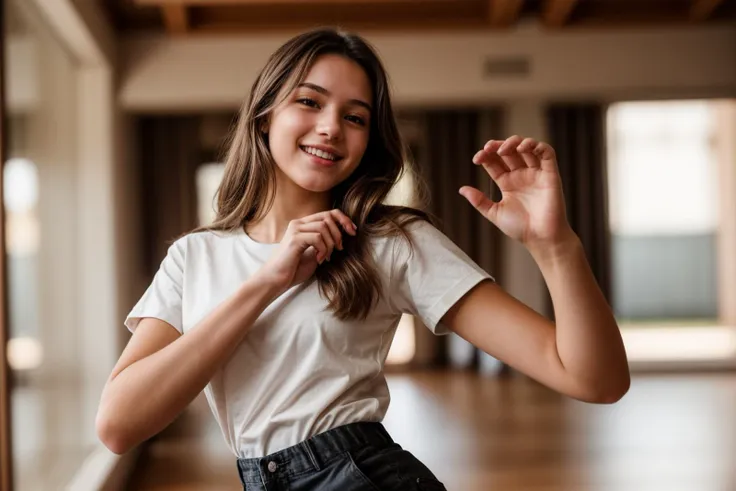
308,102
355,119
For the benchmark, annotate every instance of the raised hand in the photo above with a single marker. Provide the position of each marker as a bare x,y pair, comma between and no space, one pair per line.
532,208
307,243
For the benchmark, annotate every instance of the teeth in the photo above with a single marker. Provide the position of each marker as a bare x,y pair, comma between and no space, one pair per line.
320,153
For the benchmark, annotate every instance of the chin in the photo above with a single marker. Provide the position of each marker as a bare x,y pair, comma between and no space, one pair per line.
316,185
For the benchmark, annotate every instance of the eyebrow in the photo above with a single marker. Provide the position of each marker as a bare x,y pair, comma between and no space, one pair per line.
326,92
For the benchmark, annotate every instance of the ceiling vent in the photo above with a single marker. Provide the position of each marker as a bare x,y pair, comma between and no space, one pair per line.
506,67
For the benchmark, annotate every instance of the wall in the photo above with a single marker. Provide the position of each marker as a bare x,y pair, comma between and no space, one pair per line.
165,74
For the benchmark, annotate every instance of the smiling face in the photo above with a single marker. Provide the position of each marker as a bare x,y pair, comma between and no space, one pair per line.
319,133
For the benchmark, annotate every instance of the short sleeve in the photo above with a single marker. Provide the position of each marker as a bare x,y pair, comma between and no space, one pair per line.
163,298
431,275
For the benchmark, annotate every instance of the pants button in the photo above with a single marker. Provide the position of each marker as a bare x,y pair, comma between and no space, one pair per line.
272,466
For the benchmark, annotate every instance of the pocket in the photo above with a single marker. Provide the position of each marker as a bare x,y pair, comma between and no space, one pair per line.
428,484
359,474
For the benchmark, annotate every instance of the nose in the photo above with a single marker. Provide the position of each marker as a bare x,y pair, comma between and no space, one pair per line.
330,125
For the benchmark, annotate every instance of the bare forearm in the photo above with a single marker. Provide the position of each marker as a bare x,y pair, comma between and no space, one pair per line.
589,343
146,396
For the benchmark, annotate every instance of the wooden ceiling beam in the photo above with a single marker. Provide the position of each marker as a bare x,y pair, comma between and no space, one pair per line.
503,13
220,3
556,13
701,10
176,18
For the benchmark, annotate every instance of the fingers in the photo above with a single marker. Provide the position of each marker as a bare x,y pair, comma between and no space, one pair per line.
547,156
335,215
526,150
510,155
323,230
305,240
479,200
326,225
490,160
501,156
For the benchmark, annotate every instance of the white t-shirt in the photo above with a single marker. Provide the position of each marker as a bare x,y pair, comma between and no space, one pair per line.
301,371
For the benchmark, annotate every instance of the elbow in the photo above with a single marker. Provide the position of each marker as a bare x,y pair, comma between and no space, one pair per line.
613,392
611,396
607,391
110,435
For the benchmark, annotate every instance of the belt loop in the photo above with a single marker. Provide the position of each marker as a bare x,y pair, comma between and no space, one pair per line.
308,449
261,474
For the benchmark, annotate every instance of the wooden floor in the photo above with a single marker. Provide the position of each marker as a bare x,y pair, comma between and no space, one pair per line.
670,433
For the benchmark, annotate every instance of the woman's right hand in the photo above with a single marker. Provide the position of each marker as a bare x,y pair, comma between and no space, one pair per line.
307,243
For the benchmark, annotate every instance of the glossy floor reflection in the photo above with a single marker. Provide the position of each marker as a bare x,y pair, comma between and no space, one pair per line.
670,433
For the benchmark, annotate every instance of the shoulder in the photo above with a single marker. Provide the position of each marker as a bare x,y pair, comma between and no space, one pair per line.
425,249
422,229
206,237
397,245
396,224
421,237
201,241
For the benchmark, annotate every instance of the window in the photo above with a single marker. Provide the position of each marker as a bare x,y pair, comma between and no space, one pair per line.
662,168
663,174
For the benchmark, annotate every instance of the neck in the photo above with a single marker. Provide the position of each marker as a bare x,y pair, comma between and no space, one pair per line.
290,203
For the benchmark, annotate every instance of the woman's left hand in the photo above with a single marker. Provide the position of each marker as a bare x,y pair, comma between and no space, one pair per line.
532,208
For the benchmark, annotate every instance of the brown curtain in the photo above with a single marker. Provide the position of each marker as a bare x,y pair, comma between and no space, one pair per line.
170,153
577,133
448,140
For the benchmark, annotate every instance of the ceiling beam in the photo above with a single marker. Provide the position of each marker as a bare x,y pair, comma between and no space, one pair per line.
503,13
700,10
219,3
176,18
556,13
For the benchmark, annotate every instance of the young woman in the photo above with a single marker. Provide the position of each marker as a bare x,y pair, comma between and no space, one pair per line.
283,310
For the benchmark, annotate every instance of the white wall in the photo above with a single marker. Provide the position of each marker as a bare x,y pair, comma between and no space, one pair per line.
165,74
22,82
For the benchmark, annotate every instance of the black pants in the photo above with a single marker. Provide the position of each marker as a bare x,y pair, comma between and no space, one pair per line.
354,457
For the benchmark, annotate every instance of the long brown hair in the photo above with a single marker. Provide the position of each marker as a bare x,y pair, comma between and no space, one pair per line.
349,280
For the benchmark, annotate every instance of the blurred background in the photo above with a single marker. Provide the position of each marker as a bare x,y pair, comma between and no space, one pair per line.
114,114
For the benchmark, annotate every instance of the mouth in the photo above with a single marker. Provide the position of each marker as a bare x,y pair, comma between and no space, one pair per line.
321,155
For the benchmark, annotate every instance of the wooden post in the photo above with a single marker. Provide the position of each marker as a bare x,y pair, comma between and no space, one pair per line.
504,13
6,458
557,12
176,18
726,258
701,10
